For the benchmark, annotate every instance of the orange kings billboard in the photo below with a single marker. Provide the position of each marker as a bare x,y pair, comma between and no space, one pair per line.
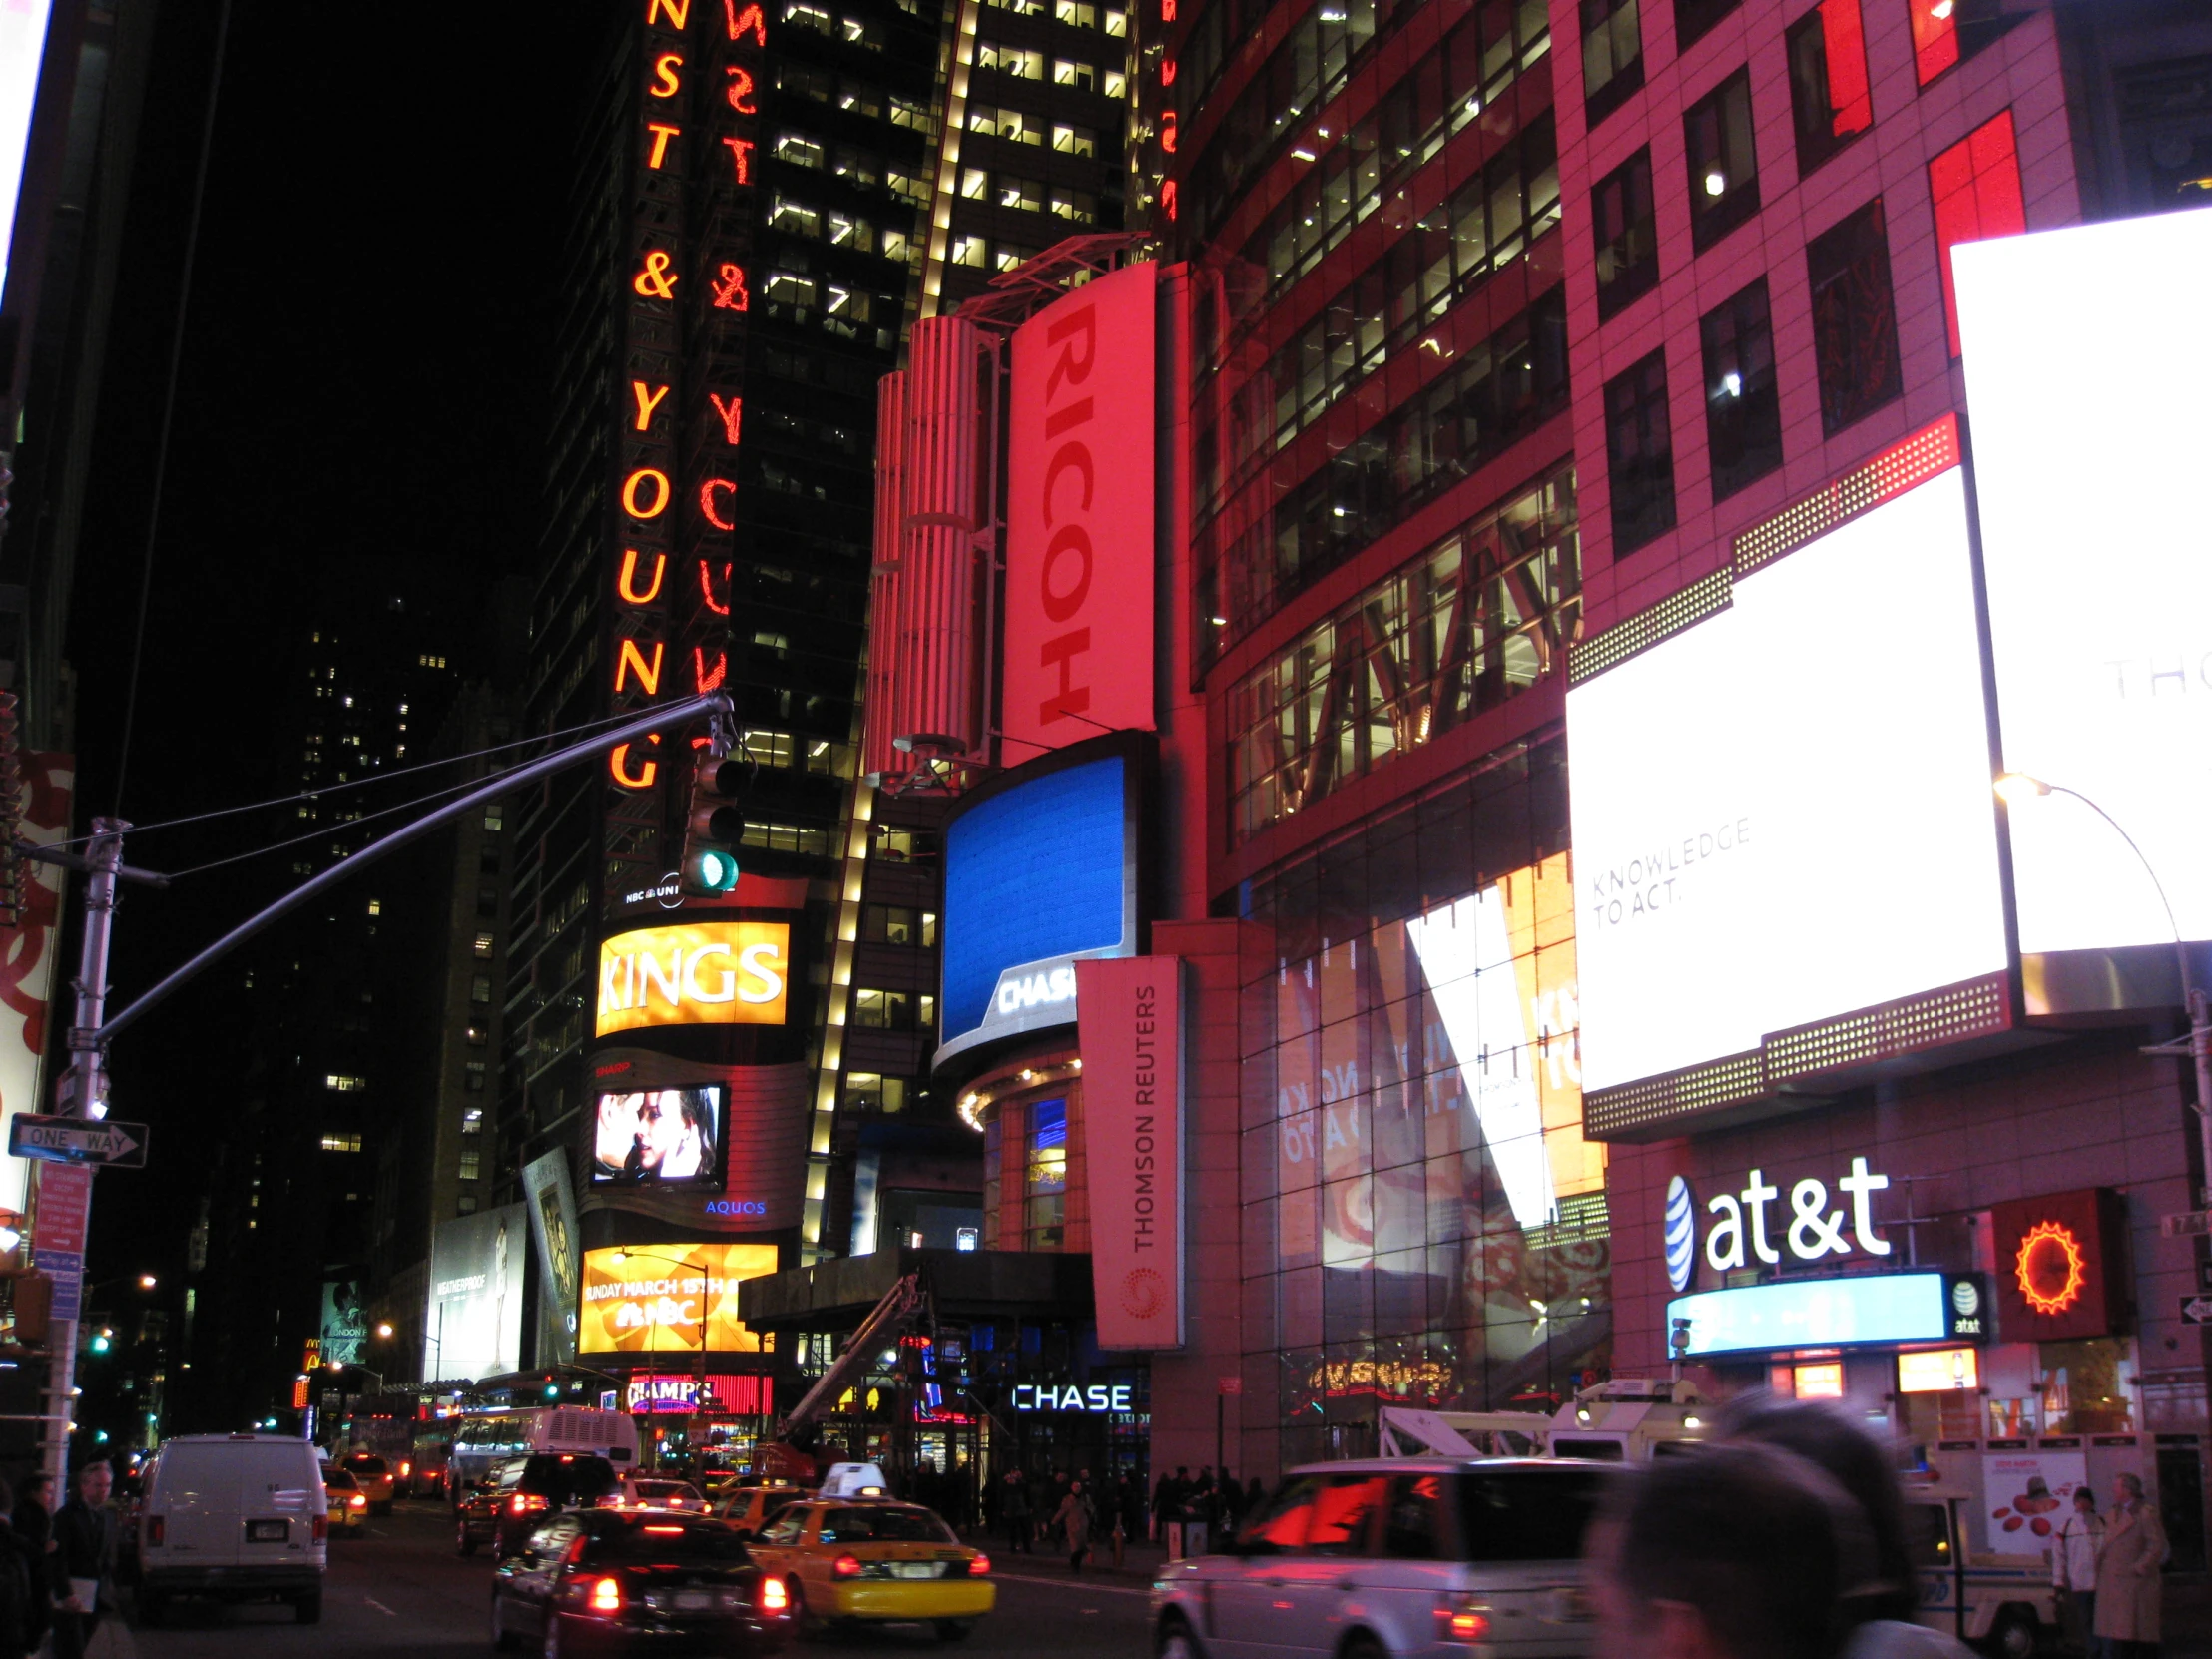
694,973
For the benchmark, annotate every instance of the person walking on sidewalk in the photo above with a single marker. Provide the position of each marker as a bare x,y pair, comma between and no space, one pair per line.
2073,1568
83,1564
2129,1590
1013,1505
1073,1518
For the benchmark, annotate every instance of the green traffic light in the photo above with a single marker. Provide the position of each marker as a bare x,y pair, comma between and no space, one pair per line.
99,1345
717,872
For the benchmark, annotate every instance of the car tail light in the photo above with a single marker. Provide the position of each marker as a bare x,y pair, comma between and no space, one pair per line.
606,1596
405,1470
357,1501
773,1597
157,1529
845,1566
1469,1622
978,1564
524,1503
321,1528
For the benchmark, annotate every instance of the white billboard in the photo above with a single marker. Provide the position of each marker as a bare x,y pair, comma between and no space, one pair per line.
474,1323
22,52
1783,813
2087,361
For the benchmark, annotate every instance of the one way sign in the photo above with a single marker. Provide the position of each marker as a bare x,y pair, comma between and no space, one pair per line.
2197,1309
60,1140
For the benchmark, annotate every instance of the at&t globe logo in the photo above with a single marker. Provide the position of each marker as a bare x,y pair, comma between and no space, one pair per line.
1681,1234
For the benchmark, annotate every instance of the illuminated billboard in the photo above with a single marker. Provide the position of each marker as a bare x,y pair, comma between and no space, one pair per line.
696,974
2087,357
1040,869
1079,516
22,51
1872,1310
655,1299
668,1137
473,1327
1782,811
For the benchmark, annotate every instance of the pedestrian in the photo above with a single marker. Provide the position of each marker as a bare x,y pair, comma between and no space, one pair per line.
34,1536
1254,1497
1175,1492
2073,1568
1878,1614
1117,1503
2129,1591
1015,1506
1073,1518
1744,1551
82,1560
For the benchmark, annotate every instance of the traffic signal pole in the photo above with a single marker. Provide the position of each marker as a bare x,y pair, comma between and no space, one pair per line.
82,1090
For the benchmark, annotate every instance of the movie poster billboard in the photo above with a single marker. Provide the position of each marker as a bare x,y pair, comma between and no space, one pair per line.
473,1324
552,1204
27,956
345,1323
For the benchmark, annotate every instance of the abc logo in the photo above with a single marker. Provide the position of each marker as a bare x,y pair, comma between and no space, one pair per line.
1681,1234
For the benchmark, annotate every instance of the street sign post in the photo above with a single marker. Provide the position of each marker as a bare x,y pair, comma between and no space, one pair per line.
75,1140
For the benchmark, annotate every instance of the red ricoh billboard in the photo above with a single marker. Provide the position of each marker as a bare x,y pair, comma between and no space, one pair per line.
1079,537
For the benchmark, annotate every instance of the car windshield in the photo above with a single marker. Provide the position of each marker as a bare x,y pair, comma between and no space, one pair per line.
338,1480
365,1465
675,1543
563,1481
886,1525
1526,1515
665,1488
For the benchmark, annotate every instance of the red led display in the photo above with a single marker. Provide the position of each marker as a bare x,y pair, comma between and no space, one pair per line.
1977,189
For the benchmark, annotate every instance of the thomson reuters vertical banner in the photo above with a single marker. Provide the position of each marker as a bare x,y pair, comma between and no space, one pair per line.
1080,517
1129,1015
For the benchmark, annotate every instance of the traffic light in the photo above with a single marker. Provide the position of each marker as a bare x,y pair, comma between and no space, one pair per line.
715,825
30,1296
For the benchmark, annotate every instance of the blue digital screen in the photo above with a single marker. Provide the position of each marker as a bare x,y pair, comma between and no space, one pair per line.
1035,877
1815,1313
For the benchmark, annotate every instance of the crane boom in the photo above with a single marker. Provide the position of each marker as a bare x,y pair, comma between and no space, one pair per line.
899,1305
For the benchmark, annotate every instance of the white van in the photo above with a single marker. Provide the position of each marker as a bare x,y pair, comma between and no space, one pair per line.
239,1517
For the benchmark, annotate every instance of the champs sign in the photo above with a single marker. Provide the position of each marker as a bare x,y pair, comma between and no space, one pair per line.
1129,1015
1080,517
705,973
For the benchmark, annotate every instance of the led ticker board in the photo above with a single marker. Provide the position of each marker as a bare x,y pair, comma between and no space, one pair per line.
2087,357
656,1299
696,974
1872,1310
1039,872
1781,813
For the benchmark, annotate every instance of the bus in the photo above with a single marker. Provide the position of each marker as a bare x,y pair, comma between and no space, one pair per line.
482,1440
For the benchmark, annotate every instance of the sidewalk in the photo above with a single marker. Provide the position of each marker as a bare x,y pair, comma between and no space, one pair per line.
1140,1562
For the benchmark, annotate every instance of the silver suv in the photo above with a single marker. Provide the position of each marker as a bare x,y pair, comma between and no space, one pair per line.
1399,1558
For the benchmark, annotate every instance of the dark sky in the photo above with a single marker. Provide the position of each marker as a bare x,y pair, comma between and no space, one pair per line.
364,376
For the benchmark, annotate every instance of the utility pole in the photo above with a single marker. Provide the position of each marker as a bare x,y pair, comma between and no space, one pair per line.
83,1091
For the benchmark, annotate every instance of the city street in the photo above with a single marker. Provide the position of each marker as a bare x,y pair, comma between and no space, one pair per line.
401,1589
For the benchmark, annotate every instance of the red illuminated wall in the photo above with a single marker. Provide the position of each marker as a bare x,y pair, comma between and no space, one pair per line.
1080,535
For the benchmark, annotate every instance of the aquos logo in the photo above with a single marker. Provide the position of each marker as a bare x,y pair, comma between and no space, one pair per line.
1681,1234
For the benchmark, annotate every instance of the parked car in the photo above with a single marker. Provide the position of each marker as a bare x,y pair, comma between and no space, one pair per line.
1385,1559
238,1517
615,1581
541,1483
875,1561
476,1517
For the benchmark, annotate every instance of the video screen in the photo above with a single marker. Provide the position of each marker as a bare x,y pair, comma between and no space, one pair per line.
659,1137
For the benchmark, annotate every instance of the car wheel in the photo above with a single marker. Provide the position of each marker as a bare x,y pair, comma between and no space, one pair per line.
1363,1647
1175,1641
152,1608
803,1623
2015,1637
462,1541
308,1609
501,1637
954,1630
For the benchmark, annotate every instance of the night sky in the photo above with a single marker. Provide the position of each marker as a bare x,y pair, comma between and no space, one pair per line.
364,379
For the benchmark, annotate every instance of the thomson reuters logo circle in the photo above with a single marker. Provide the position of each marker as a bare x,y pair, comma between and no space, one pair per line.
1143,1294
1681,1234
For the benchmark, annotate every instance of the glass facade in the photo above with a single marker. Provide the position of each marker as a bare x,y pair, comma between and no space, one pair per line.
1424,1223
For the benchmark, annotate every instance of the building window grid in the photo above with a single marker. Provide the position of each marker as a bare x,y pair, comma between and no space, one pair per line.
1386,1262
1639,451
1471,622
1454,249
1743,409
1624,222
1612,56
1975,185
1831,102
1723,160
1854,338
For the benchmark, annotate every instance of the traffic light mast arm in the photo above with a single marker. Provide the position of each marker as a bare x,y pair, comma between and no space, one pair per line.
712,703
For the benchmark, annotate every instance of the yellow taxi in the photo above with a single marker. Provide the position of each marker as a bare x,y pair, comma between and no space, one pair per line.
348,1504
749,1509
870,1561
376,1477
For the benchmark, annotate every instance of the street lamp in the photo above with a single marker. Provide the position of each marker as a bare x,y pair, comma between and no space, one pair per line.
699,1395
2019,788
